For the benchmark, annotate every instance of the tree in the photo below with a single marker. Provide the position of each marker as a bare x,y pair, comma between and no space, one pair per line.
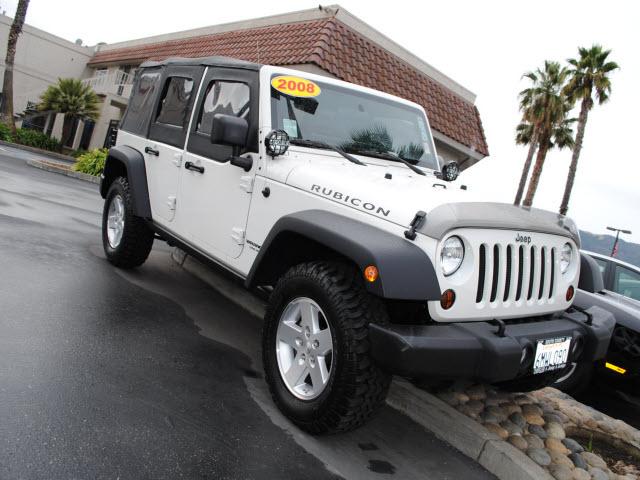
524,136
6,114
545,107
72,98
588,74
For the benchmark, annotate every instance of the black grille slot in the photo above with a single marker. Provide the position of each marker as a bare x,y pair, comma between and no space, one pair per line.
520,272
532,271
543,268
496,273
507,280
482,260
553,272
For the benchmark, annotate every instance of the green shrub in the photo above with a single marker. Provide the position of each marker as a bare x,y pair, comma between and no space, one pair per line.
92,162
5,132
36,139
78,153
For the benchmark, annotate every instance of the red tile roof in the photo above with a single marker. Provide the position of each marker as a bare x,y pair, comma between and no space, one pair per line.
335,48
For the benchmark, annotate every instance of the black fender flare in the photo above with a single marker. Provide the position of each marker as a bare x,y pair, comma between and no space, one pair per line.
406,271
132,161
590,276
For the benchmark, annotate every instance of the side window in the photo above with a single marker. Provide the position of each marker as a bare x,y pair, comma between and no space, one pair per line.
627,282
229,98
174,104
602,264
136,119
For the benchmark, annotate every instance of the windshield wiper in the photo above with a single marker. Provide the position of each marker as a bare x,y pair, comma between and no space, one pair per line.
315,144
390,156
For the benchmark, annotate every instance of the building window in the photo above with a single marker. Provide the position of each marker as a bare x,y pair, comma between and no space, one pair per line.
174,106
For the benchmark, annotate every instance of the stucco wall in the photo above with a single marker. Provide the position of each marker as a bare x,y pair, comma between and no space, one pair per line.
41,58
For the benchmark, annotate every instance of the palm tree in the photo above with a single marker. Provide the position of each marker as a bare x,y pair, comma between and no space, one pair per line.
6,113
545,107
524,136
72,98
588,74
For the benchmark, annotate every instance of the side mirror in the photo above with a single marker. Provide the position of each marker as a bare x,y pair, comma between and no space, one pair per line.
450,171
229,130
232,131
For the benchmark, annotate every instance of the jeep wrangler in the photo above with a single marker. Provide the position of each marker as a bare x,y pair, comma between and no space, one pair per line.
330,198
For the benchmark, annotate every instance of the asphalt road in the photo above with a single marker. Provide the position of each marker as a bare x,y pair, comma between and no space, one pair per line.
149,373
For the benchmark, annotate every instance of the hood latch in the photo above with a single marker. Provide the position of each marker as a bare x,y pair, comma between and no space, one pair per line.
416,223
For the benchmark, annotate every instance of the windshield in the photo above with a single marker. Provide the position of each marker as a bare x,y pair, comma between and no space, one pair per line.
355,122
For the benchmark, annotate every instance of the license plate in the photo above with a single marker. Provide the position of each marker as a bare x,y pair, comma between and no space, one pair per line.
551,354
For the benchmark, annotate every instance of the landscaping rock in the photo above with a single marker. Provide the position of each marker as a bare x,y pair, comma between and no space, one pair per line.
511,427
534,441
598,474
476,392
497,412
555,445
555,430
488,417
518,419
561,472
461,397
519,442
540,456
531,409
561,459
450,398
552,418
594,460
509,407
538,431
578,461
572,445
497,429
580,474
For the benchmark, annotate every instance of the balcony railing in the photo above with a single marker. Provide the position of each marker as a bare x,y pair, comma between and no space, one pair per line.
114,83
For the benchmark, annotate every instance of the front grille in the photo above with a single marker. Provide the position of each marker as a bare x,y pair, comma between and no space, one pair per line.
515,273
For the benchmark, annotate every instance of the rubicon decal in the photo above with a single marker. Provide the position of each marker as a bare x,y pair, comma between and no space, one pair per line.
351,200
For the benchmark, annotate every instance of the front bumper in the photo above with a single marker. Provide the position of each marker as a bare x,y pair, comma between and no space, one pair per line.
476,351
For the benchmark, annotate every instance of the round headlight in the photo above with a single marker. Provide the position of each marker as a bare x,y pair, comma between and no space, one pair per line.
277,142
451,255
565,257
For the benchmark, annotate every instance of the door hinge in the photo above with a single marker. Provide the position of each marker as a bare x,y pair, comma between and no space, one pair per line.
177,159
171,202
237,234
246,183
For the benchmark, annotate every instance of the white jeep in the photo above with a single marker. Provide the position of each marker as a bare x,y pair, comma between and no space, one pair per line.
329,198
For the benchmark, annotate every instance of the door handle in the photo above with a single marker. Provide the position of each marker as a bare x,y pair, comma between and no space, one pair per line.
151,151
192,166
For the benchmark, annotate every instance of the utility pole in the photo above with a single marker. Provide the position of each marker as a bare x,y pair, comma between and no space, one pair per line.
614,250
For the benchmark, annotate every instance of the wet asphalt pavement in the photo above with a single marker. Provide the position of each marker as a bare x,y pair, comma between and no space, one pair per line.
149,373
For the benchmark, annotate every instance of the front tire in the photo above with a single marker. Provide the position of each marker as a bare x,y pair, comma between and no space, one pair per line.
126,239
316,350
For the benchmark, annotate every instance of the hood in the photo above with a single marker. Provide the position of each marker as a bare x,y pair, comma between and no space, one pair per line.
369,189
398,199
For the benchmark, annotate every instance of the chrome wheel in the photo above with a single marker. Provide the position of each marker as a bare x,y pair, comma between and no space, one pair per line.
115,221
304,348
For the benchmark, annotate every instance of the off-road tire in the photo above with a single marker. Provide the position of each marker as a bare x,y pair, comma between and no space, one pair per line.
357,387
137,237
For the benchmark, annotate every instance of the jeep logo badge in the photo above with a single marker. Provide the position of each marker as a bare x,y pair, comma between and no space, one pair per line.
523,238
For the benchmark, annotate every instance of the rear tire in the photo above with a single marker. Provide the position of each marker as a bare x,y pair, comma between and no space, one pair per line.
126,239
353,388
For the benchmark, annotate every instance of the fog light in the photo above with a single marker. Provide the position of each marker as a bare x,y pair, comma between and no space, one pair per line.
371,273
570,293
447,299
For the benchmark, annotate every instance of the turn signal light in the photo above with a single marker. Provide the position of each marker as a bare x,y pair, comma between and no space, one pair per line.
570,293
615,368
371,273
447,299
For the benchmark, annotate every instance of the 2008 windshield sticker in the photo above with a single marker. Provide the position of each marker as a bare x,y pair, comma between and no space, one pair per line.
295,86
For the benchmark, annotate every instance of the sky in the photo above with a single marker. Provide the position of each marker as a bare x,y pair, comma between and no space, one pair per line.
485,46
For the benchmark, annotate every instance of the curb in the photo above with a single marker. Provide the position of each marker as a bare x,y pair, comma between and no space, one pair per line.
45,153
464,434
50,167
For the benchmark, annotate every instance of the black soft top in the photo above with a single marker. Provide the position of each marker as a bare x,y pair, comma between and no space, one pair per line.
205,61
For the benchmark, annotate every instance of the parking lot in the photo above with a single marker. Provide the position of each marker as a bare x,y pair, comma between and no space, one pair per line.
149,373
